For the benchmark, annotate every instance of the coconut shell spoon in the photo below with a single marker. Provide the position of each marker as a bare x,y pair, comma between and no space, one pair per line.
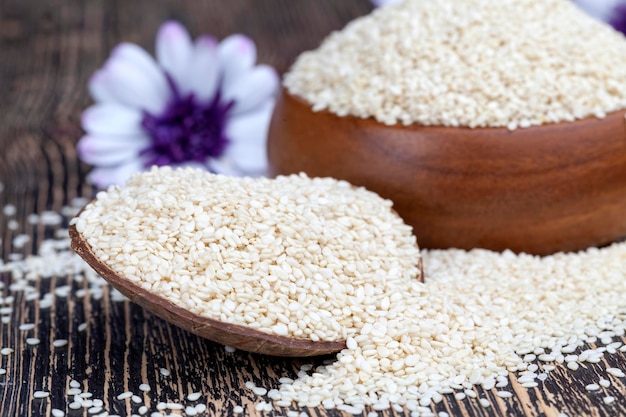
237,336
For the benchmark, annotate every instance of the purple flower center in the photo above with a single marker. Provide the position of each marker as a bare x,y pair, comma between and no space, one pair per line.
187,130
618,18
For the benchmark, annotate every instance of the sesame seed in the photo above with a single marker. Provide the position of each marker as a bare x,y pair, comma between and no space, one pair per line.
27,326
194,396
200,408
6,351
165,372
57,413
616,372
592,387
3,371
237,409
125,395
82,327
144,387
59,343
136,399
142,410
608,399
32,341
41,394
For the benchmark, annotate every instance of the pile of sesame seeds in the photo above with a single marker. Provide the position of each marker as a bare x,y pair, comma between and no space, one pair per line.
479,318
473,63
482,319
293,256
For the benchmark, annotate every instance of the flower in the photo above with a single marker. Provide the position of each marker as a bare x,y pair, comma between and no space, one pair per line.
200,103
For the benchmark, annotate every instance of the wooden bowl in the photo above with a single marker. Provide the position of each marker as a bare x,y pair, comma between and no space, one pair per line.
545,189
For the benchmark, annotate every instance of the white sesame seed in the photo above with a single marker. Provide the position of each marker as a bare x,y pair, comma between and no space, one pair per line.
136,399
6,351
237,409
200,408
229,349
57,413
504,394
194,396
144,387
32,341
41,394
616,372
74,384
142,410
608,399
484,402
165,372
27,326
125,395
59,343
592,387
75,405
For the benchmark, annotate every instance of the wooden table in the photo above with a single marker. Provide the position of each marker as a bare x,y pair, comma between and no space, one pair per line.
47,52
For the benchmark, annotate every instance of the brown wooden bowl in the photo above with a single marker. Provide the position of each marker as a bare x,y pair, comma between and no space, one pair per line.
544,189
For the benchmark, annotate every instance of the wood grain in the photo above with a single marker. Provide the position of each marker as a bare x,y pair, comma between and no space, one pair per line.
48,50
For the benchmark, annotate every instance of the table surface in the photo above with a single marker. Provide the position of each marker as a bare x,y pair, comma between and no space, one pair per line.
47,52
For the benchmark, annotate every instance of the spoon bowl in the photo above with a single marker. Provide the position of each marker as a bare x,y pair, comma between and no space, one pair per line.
237,336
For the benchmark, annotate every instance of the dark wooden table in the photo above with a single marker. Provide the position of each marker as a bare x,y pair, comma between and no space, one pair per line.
47,52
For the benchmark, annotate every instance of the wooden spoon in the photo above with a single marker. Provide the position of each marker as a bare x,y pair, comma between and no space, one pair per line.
240,337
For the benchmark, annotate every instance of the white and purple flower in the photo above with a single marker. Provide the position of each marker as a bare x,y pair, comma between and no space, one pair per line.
200,103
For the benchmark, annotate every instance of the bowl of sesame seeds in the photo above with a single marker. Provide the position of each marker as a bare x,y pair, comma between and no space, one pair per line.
488,124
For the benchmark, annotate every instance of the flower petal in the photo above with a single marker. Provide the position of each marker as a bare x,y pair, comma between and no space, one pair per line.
130,86
109,158
204,69
104,177
98,88
174,51
248,135
252,90
110,118
137,56
237,55
600,9
90,144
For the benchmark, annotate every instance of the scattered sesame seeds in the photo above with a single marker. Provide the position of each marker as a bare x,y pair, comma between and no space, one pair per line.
26,326
237,409
592,387
6,351
144,387
164,372
479,63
